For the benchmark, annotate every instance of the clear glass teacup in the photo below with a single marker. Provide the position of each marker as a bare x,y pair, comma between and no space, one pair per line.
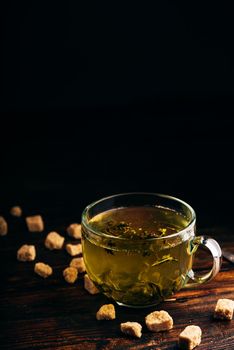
139,248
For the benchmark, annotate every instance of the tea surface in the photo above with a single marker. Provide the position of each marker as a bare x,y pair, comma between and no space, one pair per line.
139,222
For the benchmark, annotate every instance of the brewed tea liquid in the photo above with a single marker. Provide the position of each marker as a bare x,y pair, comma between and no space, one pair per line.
136,269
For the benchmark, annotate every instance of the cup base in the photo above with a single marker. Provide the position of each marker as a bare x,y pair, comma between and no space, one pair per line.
137,306
148,305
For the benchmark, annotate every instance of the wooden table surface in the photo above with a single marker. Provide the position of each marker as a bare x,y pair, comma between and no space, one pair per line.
47,314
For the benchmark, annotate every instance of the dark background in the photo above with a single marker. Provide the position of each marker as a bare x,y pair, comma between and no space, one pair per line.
105,98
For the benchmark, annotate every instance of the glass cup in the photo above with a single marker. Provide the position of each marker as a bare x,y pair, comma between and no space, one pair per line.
143,270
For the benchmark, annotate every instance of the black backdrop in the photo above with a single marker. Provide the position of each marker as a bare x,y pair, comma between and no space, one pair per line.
99,99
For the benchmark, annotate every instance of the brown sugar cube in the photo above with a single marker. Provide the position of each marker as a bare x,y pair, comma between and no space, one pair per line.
106,312
35,223
54,241
158,321
89,285
131,328
26,253
16,211
74,249
43,270
78,263
3,226
190,337
74,230
224,309
70,274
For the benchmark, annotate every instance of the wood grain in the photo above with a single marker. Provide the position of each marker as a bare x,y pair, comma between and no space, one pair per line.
50,314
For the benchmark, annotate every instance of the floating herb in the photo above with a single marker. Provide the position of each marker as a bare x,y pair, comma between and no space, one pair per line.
163,231
193,245
164,259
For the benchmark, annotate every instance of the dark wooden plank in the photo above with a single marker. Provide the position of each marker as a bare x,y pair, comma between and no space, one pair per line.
47,314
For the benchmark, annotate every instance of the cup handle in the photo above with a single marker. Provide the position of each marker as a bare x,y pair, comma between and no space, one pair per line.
216,252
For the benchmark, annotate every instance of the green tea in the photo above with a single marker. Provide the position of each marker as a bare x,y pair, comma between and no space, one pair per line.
127,263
